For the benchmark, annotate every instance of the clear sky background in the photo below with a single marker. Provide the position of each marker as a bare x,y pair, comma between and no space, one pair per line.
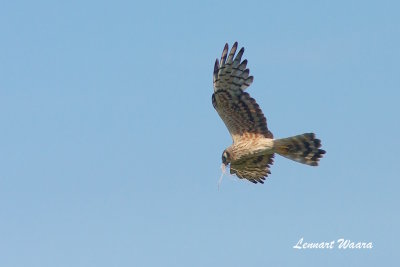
110,149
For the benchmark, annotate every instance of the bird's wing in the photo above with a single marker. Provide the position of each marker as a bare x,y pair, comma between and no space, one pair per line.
254,168
239,111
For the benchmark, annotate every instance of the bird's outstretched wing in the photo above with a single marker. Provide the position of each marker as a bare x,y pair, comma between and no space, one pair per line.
239,111
254,168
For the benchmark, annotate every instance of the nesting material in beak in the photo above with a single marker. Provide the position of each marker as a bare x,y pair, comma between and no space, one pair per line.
223,169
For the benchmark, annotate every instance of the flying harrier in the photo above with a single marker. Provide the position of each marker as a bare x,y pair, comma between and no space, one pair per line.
254,146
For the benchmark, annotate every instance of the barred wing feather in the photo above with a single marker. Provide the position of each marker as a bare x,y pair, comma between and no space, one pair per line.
239,111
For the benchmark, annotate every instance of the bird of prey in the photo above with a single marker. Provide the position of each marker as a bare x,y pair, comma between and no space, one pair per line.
252,152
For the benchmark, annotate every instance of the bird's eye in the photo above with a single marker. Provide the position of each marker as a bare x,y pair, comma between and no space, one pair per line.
224,157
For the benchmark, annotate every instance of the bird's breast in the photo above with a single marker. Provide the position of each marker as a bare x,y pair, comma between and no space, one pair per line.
255,146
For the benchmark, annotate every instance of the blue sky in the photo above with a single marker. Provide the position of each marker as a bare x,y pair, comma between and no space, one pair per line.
110,148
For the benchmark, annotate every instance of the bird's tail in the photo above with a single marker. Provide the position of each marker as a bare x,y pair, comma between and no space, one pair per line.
302,148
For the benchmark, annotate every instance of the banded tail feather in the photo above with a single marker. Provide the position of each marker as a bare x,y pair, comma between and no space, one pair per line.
304,148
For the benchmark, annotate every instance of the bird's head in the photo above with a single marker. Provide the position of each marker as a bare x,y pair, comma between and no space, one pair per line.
226,158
